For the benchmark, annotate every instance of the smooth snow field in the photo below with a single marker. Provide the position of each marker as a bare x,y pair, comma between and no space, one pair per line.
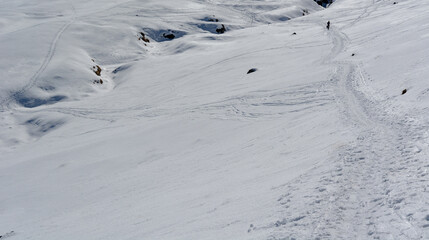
140,119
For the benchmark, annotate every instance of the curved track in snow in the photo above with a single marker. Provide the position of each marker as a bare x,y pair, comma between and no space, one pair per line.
365,191
45,63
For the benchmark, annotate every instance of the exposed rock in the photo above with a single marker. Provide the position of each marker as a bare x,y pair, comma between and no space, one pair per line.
404,91
214,25
97,70
98,81
169,36
162,35
221,30
324,3
213,20
304,12
144,38
252,70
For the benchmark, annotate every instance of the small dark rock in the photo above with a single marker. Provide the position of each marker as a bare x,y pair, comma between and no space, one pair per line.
169,36
211,19
395,3
404,91
221,30
98,81
353,54
7,234
143,37
252,70
324,3
294,33
97,70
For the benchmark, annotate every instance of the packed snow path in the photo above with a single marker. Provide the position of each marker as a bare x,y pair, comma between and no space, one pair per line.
372,188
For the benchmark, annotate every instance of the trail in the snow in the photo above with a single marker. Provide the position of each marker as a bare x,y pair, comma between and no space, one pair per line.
45,63
372,188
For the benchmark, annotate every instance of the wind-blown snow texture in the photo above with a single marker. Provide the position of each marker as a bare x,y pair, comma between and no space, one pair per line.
173,140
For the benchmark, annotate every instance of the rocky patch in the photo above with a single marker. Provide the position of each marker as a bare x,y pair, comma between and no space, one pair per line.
324,3
213,25
160,35
144,38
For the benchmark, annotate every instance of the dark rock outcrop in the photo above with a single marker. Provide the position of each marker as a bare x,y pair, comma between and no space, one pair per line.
324,3
144,38
252,70
97,70
169,36
221,30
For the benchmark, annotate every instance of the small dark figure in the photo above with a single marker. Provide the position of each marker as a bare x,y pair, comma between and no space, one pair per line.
252,70
353,54
395,3
294,33
404,91
328,25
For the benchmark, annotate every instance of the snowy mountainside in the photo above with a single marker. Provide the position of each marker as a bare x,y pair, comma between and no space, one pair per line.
74,38
137,119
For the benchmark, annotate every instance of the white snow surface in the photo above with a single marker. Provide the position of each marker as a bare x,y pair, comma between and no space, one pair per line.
178,142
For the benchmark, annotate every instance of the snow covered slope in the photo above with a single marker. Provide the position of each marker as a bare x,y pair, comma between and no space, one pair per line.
137,119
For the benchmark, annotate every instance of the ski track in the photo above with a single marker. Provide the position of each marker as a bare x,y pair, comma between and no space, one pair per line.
264,104
369,190
271,104
33,80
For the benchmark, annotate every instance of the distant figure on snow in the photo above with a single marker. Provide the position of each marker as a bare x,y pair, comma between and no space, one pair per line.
328,25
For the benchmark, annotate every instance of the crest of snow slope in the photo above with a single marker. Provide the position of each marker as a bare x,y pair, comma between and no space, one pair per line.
179,143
